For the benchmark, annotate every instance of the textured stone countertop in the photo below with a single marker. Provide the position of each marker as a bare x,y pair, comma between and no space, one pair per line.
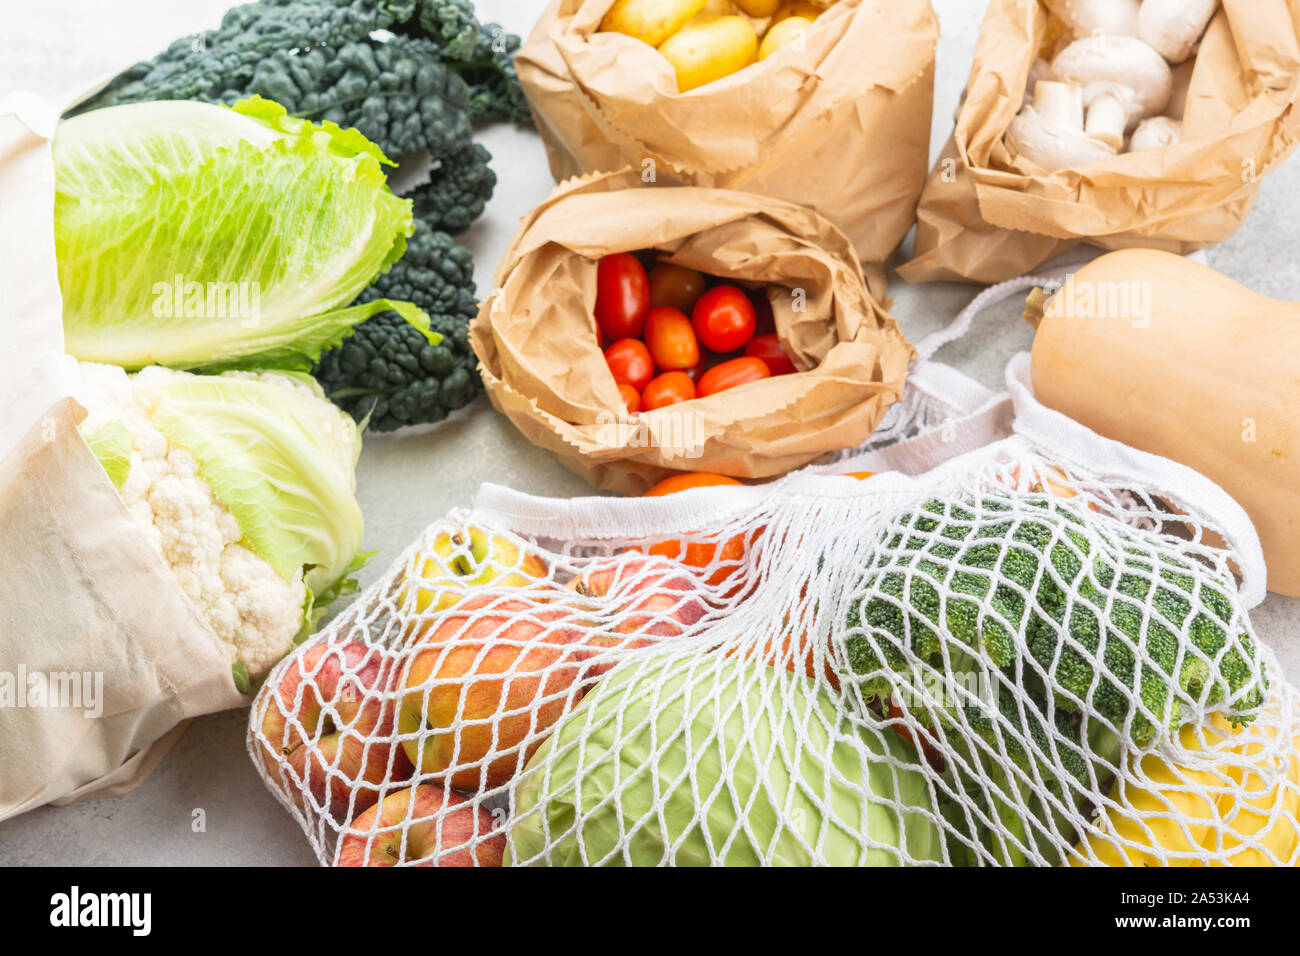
407,480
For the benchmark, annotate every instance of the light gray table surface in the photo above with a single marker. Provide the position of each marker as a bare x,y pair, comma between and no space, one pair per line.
406,480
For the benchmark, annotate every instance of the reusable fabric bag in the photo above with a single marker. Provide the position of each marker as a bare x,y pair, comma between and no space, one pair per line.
839,122
986,215
102,656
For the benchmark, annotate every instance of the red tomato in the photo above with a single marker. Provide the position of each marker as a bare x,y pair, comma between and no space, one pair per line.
765,321
739,371
671,338
668,389
630,363
675,286
631,398
622,296
724,319
770,350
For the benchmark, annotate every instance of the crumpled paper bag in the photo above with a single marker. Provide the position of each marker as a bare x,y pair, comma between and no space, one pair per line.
987,215
535,335
841,125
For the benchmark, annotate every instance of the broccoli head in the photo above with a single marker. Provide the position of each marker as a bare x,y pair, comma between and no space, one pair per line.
1109,624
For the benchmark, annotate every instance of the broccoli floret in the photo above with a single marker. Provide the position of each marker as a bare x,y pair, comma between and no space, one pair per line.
1044,579
387,371
457,191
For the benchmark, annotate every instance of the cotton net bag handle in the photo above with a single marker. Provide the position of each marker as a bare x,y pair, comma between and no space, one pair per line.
1071,442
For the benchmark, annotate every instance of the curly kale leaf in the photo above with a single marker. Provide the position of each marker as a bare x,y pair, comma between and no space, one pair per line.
494,90
393,378
412,75
457,191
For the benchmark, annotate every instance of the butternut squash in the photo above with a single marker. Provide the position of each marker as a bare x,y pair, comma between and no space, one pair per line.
1169,356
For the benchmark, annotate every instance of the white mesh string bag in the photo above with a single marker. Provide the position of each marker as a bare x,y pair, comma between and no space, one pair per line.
1019,644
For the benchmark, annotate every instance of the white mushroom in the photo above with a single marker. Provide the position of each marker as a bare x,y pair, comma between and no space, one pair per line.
1123,80
1085,18
1050,132
1172,27
1155,132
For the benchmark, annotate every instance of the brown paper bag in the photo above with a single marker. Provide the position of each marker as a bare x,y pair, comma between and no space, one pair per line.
841,125
987,215
88,608
535,335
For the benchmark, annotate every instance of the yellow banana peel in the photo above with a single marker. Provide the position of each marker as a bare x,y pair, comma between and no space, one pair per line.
1236,816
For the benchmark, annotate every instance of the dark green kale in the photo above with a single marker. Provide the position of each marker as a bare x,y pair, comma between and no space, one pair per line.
386,371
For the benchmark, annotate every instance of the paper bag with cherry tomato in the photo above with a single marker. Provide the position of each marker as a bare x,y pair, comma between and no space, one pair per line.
835,116
545,367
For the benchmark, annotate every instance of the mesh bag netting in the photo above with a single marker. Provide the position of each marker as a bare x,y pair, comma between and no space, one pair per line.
1012,658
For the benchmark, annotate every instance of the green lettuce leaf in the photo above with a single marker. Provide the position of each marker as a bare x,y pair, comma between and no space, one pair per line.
200,236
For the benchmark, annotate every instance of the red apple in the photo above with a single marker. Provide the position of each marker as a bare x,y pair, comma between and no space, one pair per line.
328,730
441,828
638,599
483,688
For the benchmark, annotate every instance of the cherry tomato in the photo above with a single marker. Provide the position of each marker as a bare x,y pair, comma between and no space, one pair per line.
668,389
770,350
630,363
699,368
671,338
622,296
739,371
765,320
631,398
675,286
689,479
724,319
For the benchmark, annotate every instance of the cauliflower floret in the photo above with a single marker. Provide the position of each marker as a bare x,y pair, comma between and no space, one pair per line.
254,611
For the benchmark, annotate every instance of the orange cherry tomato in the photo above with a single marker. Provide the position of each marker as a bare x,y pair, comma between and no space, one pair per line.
675,287
671,338
739,371
630,363
670,388
622,296
724,318
631,398
689,479
727,557
770,350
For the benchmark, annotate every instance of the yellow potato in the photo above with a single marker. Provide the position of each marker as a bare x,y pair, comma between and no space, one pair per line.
782,34
717,8
759,8
652,21
710,49
797,8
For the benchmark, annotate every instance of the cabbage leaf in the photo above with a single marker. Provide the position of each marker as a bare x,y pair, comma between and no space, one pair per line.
201,236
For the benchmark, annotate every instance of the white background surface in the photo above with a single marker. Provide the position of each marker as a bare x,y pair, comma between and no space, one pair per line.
407,480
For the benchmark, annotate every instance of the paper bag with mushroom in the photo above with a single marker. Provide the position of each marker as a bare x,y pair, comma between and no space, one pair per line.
1109,122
